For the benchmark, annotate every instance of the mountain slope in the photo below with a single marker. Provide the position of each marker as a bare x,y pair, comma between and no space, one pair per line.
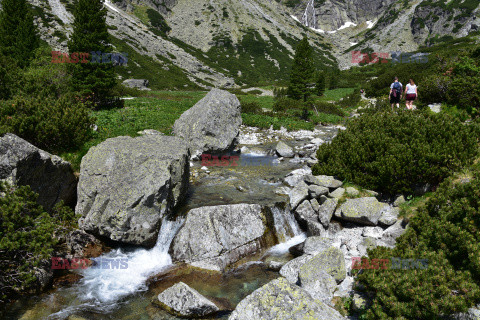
389,25
211,43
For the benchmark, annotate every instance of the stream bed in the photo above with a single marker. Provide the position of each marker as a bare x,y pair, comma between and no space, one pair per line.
128,293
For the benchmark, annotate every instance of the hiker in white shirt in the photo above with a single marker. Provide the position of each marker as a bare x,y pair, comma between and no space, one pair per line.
411,94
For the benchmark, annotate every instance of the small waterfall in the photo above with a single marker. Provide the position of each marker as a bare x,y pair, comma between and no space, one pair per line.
287,229
108,285
100,288
309,17
286,226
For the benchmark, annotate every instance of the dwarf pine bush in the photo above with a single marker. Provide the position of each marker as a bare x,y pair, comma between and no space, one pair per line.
50,124
395,153
26,236
446,231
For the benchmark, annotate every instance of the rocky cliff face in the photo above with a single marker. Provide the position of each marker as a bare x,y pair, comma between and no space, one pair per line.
389,25
330,15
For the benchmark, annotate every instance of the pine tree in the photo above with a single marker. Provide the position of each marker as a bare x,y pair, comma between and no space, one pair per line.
8,74
320,86
302,70
93,80
333,80
18,34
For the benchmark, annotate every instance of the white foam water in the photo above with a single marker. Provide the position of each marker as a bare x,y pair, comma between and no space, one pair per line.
101,289
107,285
286,226
283,247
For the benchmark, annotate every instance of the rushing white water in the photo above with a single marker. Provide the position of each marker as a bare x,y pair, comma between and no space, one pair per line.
100,289
283,247
288,231
309,18
107,285
286,226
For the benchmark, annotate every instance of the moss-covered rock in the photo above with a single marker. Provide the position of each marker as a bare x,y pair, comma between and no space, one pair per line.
281,300
331,261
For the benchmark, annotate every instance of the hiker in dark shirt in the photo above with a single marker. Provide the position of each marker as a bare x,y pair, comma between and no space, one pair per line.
395,93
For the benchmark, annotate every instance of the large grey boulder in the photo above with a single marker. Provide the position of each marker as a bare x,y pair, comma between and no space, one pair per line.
330,260
298,194
141,84
319,284
315,245
217,236
212,125
23,164
389,217
326,210
183,301
127,185
317,191
296,176
365,211
291,268
306,212
281,300
284,150
327,181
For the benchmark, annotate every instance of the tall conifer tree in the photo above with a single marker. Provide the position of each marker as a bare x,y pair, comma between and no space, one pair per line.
302,71
18,34
90,35
320,86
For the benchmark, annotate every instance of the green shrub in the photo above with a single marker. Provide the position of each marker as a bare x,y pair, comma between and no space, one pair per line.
434,89
324,107
446,231
44,79
250,107
283,104
395,153
53,125
255,92
8,74
26,236
464,92
352,100
158,21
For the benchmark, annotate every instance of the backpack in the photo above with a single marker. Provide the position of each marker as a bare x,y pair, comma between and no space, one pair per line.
397,89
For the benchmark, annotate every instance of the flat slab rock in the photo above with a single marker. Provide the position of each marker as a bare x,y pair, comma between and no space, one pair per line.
127,185
21,163
281,300
366,211
181,300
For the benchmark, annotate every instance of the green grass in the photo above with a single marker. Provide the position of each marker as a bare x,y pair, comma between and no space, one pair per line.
336,94
264,102
158,110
